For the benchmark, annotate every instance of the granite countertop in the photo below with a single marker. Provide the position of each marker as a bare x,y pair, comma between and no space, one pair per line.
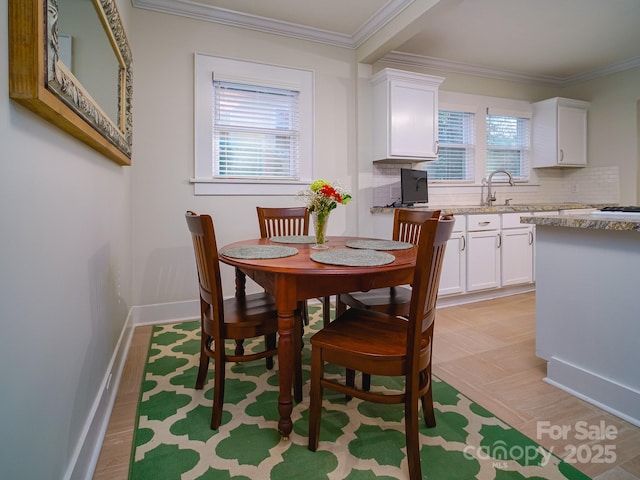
582,220
619,222
471,209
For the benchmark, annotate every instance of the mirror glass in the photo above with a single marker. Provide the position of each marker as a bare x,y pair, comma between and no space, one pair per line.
83,44
90,69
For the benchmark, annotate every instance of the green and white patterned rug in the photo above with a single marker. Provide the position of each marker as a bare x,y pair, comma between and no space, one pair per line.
358,441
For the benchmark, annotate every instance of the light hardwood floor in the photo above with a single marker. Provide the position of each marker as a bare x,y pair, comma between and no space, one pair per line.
487,351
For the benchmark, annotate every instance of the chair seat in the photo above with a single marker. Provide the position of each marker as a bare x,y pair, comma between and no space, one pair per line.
253,317
394,300
359,335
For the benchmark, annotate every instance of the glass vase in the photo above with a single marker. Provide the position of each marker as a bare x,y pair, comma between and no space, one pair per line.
320,221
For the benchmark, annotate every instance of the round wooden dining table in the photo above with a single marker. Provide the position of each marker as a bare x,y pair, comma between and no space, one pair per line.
298,277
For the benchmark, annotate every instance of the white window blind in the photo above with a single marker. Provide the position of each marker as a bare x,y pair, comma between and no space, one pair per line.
256,131
508,145
456,150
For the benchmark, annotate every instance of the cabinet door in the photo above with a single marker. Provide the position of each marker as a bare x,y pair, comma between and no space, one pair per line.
559,133
413,128
517,256
453,275
572,135
483,260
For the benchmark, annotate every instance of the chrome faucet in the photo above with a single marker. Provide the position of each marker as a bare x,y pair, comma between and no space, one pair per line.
491,197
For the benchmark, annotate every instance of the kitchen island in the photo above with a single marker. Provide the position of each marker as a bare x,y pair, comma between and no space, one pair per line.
588,307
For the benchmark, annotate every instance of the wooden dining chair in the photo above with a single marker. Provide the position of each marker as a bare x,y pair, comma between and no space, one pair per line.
280,221
384,344
238,318
392,300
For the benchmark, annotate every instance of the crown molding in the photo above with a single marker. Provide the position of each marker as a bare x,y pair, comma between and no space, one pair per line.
198,11
602,72
409,59
383,16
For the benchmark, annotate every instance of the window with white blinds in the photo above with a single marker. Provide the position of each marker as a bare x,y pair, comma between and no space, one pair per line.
253,127
456,152
256,131
508,145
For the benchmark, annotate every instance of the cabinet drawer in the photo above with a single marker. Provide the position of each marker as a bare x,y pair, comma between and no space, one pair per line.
512,220
460,223
483,222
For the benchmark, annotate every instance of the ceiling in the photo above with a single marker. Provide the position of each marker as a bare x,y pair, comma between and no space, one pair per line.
548,41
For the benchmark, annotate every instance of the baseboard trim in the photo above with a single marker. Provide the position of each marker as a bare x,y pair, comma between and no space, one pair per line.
165,312
87,452
471,297
85,456
606,394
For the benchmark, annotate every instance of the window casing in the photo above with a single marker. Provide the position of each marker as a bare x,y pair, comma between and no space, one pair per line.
253,128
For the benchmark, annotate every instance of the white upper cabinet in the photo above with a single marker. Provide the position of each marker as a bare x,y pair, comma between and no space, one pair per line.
405,116
559,133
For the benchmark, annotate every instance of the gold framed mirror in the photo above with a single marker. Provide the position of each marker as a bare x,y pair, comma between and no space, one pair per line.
44,77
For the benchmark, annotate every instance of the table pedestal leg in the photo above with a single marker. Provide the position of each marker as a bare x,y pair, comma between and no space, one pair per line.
287,363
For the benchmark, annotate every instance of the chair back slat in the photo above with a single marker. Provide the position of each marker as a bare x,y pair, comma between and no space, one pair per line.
408,223
283,221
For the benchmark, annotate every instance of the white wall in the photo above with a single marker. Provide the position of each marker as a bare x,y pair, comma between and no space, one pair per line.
164,267
65,285
613,130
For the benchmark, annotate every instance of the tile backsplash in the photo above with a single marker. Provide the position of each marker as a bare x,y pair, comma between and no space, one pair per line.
548,185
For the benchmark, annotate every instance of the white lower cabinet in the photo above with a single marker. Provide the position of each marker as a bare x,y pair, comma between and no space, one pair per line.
483,252
539,214
500,251
516,251
453,277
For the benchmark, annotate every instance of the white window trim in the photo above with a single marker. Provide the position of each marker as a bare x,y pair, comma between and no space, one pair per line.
258,74
479,104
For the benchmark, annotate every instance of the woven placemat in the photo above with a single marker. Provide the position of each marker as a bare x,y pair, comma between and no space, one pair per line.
259,252
379,244
294,239
353,258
